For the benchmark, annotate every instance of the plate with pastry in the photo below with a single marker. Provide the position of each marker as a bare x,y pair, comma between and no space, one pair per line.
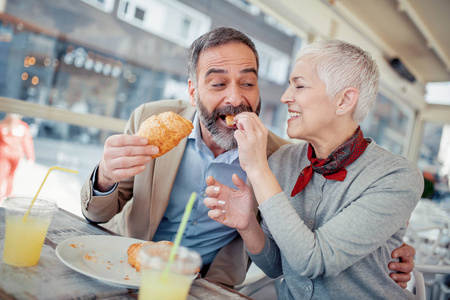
111,259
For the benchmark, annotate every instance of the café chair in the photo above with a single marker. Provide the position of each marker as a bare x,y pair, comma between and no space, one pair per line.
423,288
429,235
418,286
428,232
429,242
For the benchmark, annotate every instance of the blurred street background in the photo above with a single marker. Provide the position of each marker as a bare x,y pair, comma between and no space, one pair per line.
61,186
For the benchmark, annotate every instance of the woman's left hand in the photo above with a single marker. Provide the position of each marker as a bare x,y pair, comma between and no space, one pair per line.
233,208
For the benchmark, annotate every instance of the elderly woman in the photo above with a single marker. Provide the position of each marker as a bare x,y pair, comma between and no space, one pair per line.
334,207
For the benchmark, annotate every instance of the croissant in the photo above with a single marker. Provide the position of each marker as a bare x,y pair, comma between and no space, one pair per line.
165,130
133,252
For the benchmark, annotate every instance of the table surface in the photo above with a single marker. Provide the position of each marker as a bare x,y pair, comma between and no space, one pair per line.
51,279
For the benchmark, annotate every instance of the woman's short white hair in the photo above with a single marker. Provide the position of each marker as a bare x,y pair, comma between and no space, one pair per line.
341,65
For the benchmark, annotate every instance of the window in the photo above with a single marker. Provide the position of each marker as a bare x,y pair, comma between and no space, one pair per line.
438,92
281,27
246,6
434,160
175,89
389,124
77,83
168,19
104,5
139,14
273,64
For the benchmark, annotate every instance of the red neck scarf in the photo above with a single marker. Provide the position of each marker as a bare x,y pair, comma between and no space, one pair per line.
333,167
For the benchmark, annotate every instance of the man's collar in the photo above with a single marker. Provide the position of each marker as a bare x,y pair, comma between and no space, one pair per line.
195,133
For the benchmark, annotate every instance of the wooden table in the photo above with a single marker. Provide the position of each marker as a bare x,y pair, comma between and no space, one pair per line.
51,279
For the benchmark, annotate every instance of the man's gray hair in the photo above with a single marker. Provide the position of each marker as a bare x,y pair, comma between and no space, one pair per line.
214,38
341,65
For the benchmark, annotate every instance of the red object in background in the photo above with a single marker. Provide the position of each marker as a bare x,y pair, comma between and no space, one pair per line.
15,141
428,175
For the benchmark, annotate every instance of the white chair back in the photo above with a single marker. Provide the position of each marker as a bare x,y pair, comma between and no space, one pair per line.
421,289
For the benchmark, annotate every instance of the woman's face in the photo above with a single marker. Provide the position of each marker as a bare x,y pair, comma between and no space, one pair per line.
311,110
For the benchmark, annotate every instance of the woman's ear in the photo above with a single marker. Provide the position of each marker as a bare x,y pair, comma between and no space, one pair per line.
192,90
347,101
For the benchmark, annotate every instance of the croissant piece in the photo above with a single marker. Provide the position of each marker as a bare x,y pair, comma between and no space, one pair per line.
230,120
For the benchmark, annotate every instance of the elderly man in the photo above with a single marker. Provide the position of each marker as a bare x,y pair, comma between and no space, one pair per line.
144,198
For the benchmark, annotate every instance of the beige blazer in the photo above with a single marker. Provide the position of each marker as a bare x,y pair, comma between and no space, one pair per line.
135,208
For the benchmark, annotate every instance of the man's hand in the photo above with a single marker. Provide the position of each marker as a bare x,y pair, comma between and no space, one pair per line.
123,156
405,266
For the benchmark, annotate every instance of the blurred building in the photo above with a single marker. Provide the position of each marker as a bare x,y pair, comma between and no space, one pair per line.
107,57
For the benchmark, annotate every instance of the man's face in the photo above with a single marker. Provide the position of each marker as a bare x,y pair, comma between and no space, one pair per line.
227,84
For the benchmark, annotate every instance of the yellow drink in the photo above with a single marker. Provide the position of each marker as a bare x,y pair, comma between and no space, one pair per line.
24,240
174,287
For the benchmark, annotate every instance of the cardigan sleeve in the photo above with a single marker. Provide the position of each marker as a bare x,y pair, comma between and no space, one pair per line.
269,259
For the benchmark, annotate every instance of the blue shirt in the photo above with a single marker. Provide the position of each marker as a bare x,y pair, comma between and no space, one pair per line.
202,234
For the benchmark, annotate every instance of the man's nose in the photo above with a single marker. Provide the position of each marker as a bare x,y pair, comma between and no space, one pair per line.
234,95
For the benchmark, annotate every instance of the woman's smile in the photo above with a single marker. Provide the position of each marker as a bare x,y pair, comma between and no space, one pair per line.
293,115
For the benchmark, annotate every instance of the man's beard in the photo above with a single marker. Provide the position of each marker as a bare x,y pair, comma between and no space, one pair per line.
223,136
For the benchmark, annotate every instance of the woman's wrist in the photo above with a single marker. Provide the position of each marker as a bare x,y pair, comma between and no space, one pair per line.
255,174
264,183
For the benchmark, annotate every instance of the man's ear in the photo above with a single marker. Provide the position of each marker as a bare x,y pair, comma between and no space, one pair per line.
192,90
347,101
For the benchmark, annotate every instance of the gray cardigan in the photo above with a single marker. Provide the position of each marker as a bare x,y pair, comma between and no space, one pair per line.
334,239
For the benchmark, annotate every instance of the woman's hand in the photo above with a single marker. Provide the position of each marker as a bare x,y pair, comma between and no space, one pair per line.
252,141
233,208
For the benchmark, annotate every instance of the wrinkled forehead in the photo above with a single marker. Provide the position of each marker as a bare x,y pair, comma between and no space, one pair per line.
234,55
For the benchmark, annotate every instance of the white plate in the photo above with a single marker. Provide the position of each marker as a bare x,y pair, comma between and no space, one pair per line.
102,257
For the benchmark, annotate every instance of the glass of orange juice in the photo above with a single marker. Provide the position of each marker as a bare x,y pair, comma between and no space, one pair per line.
24,238
173,285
